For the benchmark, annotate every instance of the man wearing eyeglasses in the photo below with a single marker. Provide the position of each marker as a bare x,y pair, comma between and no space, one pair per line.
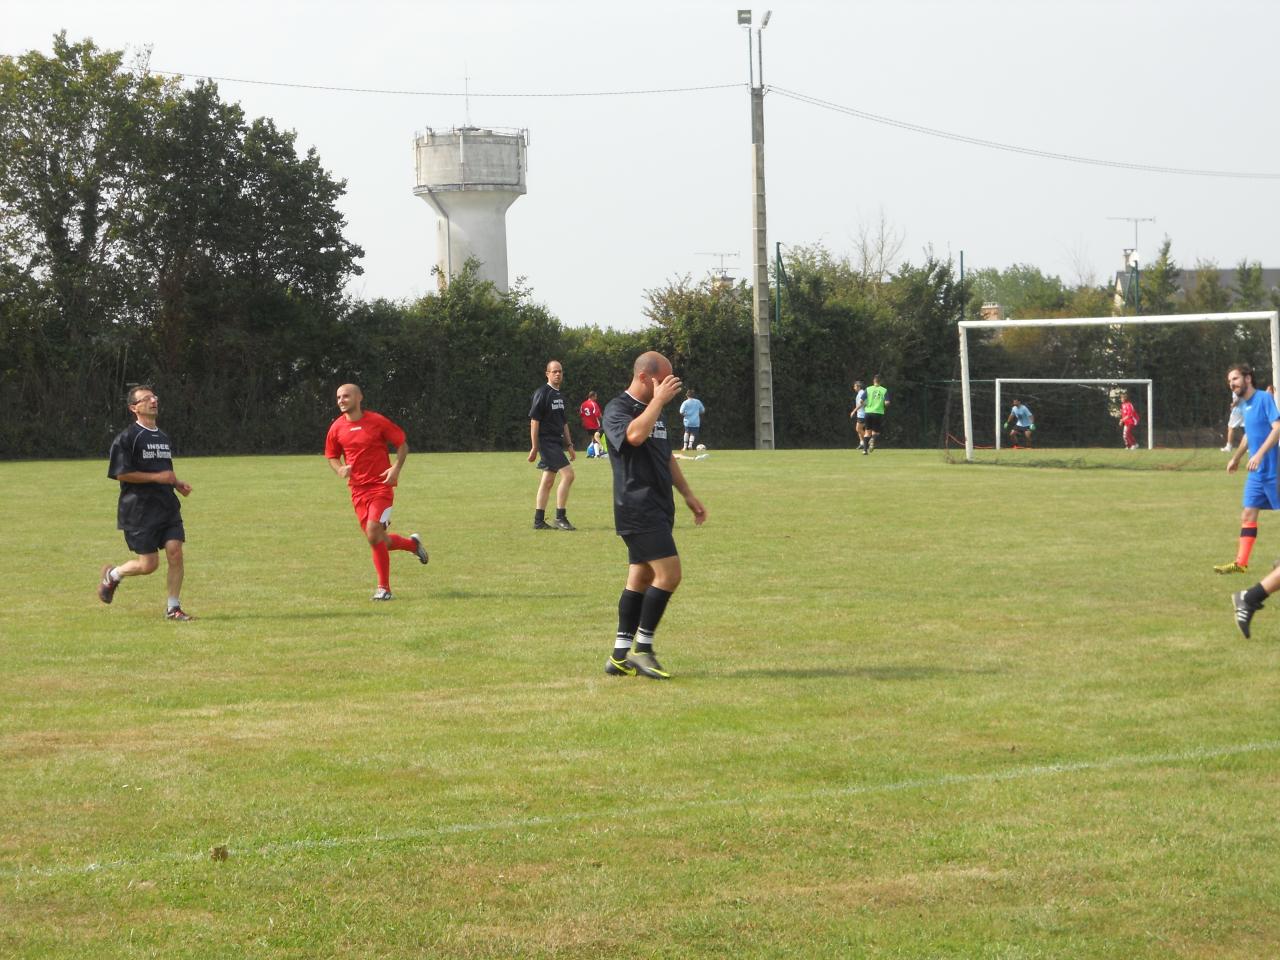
141,460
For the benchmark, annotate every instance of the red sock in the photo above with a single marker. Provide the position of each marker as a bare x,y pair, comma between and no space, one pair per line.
1248,535
382,564
397,542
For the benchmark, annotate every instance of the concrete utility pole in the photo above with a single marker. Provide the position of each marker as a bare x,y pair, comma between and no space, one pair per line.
760,246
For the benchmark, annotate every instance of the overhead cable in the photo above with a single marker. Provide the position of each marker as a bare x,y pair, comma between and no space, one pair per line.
1013,148
448,93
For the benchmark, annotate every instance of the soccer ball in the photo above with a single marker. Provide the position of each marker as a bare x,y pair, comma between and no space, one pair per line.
702,446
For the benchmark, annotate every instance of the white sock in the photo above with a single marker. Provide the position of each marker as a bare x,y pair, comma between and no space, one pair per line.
115,575
174,604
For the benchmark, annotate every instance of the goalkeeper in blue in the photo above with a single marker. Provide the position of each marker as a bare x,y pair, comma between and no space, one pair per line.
1020,423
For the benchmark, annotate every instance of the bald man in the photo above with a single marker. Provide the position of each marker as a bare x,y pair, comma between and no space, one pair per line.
356,448
549,440
644,513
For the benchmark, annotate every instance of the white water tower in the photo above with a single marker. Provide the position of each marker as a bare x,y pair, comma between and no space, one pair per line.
470,176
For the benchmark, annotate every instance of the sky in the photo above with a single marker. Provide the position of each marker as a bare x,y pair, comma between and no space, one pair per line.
627,193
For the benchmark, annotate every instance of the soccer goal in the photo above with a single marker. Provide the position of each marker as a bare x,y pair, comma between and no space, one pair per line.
964,326
1001,381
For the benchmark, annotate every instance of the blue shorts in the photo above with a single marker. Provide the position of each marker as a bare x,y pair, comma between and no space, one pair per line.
1261,493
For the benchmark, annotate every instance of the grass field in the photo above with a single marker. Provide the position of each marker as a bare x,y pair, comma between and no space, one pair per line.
920,710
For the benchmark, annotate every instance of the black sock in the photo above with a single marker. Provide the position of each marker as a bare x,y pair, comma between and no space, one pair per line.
628,619
655,605
560,513
1255,595
539,516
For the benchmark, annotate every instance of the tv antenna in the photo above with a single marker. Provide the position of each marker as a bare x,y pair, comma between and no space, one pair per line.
723,272
1135,221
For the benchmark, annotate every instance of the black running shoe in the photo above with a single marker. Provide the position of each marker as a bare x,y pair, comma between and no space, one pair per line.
647,665
542,525
1244,611
107,586
176,613
619,668
562,523
421,551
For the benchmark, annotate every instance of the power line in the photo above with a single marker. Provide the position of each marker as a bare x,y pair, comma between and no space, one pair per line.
1013,148
447,93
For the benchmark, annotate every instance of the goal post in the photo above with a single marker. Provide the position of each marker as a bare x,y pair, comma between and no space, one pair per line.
964,326
1001,381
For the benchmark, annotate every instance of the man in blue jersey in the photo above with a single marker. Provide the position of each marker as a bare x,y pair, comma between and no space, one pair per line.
1261,433
1020,423
692,410
141,460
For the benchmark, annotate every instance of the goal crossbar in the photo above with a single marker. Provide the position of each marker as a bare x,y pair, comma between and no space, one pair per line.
1092,382
964,326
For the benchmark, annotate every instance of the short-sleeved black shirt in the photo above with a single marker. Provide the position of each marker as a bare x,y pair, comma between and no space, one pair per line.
143,505
547,408
642,499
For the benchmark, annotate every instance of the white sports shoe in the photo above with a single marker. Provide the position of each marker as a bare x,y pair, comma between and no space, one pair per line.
1227,449
382,594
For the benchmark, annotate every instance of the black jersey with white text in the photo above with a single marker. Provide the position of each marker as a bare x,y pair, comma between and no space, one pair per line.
642,500
143,505
547,407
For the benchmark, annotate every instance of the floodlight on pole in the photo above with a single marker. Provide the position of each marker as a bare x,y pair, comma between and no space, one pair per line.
744,18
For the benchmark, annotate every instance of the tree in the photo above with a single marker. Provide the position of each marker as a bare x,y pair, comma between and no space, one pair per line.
1159,283
1208,295
1250,293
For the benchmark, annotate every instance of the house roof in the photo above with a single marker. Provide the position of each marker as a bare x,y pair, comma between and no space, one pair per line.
1226,278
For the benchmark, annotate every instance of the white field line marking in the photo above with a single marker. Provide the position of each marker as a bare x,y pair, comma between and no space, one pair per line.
678,806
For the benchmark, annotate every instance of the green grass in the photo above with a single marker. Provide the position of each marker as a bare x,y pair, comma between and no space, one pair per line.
920,710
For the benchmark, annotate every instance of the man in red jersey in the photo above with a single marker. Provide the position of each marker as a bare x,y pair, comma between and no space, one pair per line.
590,413
356,448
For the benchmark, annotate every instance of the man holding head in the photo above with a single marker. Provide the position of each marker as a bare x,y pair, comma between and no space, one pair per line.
644,472
356,448
548,440
148,512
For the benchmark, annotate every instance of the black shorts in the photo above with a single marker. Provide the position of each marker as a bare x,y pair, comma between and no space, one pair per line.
551,454
873,422
152,539
694,433
649,545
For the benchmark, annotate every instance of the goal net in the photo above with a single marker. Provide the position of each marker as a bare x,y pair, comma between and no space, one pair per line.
1076,410
1176,363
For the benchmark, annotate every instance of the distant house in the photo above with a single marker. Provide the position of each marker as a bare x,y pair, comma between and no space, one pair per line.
1188,279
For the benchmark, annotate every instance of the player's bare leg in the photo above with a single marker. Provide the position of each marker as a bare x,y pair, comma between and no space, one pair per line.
544,490
562,491
173,579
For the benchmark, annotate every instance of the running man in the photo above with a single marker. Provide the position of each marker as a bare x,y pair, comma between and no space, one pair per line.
874,406
356,448
859,414
148,511
1261,432
548,440
644,471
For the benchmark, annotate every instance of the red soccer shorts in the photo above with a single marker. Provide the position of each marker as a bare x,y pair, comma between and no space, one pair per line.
373,505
